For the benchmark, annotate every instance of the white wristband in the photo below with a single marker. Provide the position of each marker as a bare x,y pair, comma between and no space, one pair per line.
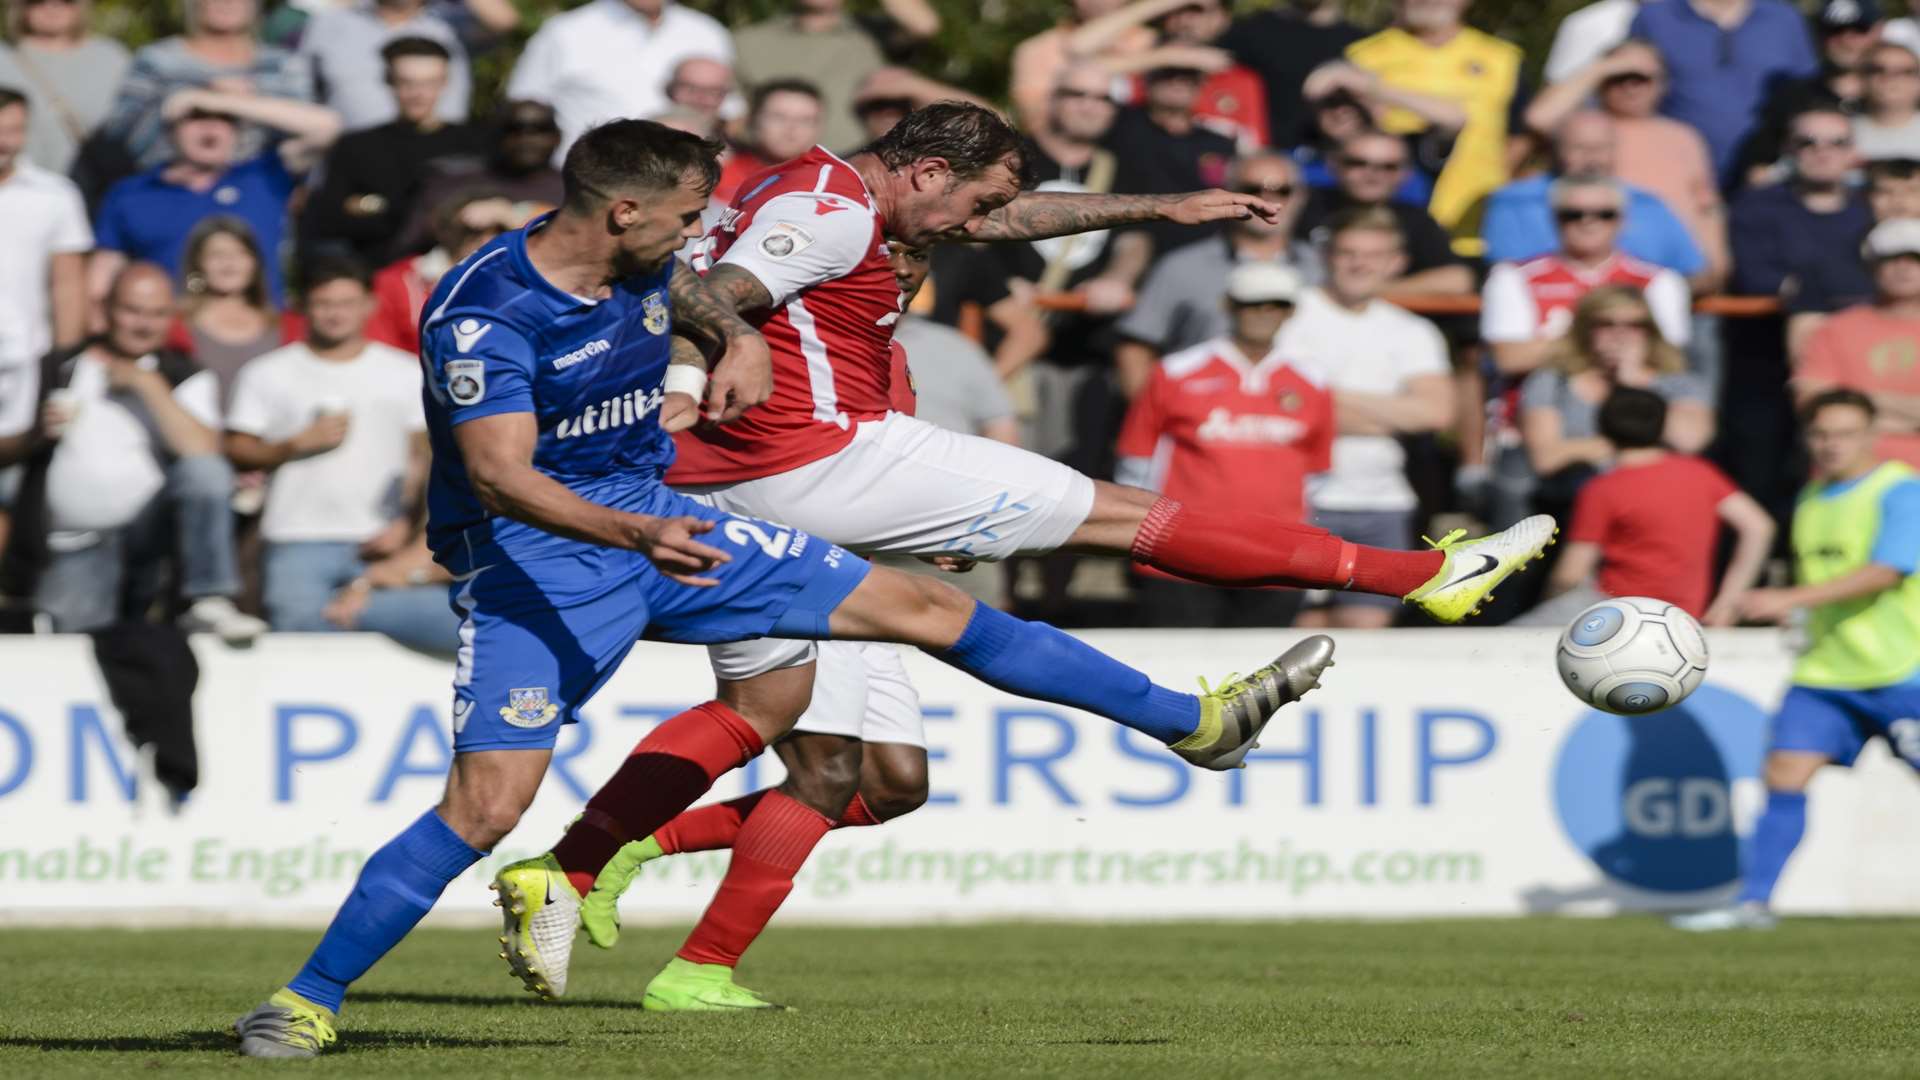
686,379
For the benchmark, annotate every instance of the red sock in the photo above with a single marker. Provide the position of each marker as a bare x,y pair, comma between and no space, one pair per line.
675,764
1218,548
777,837
714,827
707,828
856,815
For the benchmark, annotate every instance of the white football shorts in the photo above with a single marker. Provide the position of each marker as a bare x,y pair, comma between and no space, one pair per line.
904,486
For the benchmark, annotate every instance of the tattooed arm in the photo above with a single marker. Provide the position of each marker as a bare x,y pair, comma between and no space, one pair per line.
1035,215
710,308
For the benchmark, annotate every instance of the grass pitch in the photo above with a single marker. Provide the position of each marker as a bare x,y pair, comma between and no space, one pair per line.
1521,998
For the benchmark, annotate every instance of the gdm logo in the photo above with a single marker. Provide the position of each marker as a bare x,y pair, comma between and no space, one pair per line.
1655,800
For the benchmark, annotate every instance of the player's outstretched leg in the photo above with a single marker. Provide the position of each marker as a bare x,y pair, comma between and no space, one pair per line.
1212,730
486,794
1247,548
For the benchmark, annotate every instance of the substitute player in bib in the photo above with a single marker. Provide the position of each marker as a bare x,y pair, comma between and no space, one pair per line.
805,243
548,397
1856,547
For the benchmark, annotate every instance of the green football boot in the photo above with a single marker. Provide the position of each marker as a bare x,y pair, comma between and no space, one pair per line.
684,986
287,1026
600,908
1233,714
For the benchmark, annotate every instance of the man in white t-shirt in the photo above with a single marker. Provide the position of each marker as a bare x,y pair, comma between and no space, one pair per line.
133,475
336,419
1389,375
43,298
612,58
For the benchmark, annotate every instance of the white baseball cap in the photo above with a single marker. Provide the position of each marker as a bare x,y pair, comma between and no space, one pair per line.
1899,236
1264,282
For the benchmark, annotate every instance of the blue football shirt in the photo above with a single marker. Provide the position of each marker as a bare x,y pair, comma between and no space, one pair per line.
496,337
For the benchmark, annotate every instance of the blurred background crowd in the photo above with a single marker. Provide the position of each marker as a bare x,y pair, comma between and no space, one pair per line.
1581,259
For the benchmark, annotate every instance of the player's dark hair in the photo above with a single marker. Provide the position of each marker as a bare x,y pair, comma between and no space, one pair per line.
767,89
10,97
1367,219
1632,418
413,46
1839,397
635,157
327,269
971,140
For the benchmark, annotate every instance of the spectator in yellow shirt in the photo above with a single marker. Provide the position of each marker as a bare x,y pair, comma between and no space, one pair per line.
1430,51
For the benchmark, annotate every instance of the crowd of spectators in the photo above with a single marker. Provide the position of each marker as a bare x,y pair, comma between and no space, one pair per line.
1594,282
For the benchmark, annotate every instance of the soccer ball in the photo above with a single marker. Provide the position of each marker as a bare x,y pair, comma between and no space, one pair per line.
1633,655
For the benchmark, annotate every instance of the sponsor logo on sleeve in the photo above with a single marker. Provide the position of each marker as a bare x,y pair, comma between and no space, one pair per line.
783,239
466,381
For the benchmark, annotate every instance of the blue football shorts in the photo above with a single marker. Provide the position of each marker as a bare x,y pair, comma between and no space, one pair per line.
540,636
1838,723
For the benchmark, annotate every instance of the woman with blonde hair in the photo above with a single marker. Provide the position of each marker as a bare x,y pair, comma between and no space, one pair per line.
1613,341
220,51
67,73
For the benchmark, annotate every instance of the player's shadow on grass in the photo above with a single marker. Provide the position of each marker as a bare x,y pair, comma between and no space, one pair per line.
406,997
178,1041
203,1041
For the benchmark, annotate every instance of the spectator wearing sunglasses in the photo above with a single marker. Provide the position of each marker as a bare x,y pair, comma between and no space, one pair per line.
1889,125
1782,232
1527,306
1650,152
1520,223
518,167
1179,304
1344,101
1844,32
1368,170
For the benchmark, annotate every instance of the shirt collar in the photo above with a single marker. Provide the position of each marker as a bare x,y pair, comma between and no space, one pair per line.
516,243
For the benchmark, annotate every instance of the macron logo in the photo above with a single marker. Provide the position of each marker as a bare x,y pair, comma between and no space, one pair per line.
629,408
585,352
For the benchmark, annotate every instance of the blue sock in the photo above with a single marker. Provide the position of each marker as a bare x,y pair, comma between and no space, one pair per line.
396,888
1774,837
1037,661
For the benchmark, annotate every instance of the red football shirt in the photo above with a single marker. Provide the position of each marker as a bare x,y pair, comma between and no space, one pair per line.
1220,429
905,395
807,229
1657,525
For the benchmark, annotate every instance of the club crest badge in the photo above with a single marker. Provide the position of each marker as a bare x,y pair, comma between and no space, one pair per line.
466,381
528,707
653,313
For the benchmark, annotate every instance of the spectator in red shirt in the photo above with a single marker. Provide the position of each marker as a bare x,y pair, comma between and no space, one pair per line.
400,289
1222,420
1875,348
1651,526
